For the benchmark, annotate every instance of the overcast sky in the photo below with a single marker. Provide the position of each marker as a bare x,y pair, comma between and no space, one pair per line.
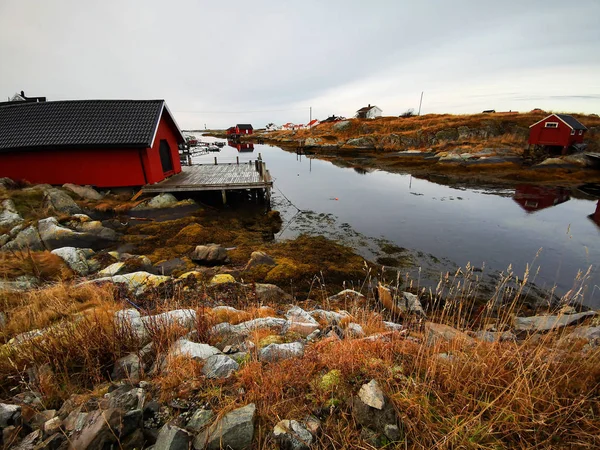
224,62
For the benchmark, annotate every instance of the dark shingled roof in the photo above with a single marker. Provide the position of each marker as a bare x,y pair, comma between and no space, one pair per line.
572,122
244,126
79,123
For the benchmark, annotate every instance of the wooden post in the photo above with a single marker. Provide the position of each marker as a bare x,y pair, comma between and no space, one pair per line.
224,195
237,160
215,160
260,157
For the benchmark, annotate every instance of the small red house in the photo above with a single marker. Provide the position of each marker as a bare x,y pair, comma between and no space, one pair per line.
243,128
557,130
231,131
103,143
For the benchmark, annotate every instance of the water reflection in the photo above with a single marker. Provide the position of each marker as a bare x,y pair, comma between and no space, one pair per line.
535,198
241,146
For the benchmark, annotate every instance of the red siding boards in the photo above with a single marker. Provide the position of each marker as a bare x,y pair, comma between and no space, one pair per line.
100,167
560,136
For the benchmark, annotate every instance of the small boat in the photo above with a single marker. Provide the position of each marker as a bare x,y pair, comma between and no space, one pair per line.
213,148
219,144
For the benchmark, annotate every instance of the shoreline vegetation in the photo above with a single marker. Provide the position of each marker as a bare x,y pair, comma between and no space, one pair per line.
171,323
479,148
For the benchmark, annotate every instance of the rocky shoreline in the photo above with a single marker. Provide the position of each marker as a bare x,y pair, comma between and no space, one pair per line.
196,333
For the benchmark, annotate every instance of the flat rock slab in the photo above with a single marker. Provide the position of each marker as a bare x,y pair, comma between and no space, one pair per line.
235,430
547,323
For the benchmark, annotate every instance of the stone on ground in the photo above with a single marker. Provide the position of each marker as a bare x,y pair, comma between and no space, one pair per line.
278,352
235,430
210,254
222,278
9,216
28,238
171,437
292,435
60,201
259,259
86,192
219,366
437,332
347,295
547,323
75,258
199,420
194,350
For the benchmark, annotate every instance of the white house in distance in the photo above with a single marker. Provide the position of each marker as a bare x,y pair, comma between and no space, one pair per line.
368,112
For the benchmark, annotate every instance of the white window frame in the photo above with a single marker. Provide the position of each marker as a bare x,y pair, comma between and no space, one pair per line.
551,125
580,132
572,132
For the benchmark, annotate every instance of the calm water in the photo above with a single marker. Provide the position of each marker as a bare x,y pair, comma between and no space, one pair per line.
486,227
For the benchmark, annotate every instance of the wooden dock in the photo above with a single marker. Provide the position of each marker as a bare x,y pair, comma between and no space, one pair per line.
222,177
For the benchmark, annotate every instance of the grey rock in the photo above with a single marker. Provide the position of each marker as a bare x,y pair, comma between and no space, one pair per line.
60,201
331,317
391,326
436,332
297,314
392,431
163,200
277,352
28,238
112,270
127,398
52,426
354,330
75,258
344,125
404,302
199,420
29,442
235,431
258,259
194,350
219,366
9,217
86,192
211,254
547,323
93,235
587,333
100,431
4,238
75,421
171,437
312,142
7,183
269,293
19,284
136,282
292,435
361,142
372,395
495,336
171,266
9,414
347,295
131,366
450,134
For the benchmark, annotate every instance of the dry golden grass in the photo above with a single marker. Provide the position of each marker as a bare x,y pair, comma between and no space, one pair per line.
43,265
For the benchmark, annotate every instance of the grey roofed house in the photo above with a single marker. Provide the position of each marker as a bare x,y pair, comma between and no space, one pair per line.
79,123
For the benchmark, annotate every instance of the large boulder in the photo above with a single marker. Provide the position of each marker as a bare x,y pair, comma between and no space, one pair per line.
102,429
86,192
92,235
27,239
9,216
234,431
547,323
269,293
209,255
60,202
75,258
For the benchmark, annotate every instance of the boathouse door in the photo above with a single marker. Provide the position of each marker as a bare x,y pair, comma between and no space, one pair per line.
165,157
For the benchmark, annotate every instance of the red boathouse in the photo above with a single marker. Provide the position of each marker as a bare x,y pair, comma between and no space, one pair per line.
557,130
103,143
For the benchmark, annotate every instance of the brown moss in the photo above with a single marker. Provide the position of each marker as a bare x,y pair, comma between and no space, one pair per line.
44,265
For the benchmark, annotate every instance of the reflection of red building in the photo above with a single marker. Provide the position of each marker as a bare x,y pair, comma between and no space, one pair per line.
533,198
241,146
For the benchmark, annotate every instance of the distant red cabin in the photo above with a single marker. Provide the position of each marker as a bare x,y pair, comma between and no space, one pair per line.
557,130
103,143
231,131
244,128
